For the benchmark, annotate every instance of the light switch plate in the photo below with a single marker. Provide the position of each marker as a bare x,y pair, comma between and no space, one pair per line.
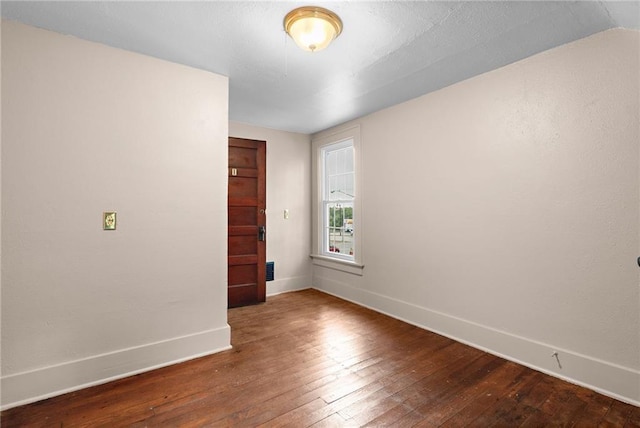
109,220
286,214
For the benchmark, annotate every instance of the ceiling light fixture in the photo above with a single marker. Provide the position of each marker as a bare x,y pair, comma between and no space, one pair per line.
312,28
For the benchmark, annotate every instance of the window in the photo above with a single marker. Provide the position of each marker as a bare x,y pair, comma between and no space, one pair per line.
337,194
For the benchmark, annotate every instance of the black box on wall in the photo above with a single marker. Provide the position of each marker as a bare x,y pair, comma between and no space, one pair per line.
270,271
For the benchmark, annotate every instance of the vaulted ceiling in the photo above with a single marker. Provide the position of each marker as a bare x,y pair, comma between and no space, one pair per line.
389,51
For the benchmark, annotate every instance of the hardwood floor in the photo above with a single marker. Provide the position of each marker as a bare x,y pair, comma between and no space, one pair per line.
309,359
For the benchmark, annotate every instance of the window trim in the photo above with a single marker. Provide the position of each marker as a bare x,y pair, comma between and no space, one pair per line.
319,143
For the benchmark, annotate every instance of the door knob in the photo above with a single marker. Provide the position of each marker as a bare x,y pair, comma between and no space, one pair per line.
262,231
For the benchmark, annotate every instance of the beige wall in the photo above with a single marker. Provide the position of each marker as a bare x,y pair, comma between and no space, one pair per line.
86,129
503,211
288,184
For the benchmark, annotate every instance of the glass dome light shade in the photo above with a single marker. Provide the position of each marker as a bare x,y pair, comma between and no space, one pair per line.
312,28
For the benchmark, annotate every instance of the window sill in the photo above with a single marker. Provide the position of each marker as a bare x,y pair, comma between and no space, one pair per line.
337,264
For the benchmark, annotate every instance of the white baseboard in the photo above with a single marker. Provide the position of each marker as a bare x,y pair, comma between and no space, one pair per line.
285,285
35,385
621,383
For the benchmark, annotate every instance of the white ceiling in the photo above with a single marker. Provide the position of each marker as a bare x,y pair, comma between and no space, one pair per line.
389,51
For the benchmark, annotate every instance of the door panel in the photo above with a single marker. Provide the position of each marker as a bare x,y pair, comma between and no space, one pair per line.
244,186
239,216
242,157
246,213
245,274
239,245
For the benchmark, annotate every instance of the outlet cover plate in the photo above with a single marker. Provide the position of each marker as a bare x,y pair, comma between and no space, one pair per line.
109,220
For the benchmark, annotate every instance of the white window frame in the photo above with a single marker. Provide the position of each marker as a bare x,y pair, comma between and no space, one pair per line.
326,201
351,264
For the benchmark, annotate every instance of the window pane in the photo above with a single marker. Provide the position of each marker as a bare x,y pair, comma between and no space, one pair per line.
350,159
339,177
333,187
339,230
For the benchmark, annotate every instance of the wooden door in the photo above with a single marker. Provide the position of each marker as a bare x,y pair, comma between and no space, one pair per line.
247,222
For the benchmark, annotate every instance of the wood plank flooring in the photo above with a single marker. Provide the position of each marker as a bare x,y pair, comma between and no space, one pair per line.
309,359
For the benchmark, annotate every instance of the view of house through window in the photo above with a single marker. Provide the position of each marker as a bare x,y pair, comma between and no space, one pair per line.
338,199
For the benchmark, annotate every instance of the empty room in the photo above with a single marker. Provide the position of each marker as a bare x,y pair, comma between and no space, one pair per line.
347,213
